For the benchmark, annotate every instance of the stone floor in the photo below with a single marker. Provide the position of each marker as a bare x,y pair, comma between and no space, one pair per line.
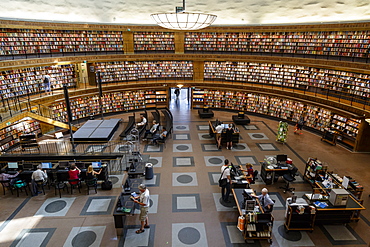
185,209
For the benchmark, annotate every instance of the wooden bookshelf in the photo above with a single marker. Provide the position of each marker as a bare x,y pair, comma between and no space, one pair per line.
25,81
139,70
123,101
317,118
334,83
322,43
9,136
41,41
154,41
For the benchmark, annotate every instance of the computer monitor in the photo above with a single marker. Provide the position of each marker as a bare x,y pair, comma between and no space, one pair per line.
13,165
27,166
63,164
96,164
225,126
281,158
46,165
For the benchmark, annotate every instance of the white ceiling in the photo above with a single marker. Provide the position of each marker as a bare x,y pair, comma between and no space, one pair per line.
228,11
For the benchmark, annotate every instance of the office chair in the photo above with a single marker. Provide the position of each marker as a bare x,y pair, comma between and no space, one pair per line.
288,178
41,184
91,183
255,174
19,185
269,211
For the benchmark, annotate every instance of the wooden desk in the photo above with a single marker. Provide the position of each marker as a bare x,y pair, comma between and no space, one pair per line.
212,133
268,175
334,214
259,229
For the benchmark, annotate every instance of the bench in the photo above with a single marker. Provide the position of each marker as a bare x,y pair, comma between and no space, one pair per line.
129,126
205,113
241,119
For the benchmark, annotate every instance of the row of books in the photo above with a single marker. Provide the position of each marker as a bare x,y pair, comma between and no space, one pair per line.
317,117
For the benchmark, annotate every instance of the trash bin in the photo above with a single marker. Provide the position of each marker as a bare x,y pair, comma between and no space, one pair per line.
149,174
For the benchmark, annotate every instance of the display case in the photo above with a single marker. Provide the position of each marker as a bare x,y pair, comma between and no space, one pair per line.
282,132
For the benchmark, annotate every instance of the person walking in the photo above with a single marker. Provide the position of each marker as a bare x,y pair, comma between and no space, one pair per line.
299,125
143,200
225,174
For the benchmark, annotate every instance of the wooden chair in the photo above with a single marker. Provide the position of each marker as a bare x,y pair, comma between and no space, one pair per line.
75,183
6,184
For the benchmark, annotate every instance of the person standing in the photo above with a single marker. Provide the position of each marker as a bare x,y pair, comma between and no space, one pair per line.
47,84
177,92
229,137
143,200
265,201
225,174
218,130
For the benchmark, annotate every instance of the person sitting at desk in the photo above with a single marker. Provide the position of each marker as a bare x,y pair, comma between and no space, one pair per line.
142,123
5,176
38,176
229,137
265,201
74,173
218,130
152,130
90,173
162,136
250,173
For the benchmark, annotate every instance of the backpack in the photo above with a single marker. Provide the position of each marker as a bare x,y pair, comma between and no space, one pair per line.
106,185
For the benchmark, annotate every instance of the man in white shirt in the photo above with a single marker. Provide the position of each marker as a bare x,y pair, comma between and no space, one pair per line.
143,200
225,191
142,123
152,130
39,175
218,130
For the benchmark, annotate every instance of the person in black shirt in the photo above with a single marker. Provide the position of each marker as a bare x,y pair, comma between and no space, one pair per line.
229,137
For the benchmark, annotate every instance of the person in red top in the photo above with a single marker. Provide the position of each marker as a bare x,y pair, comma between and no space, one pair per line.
250,173
74,173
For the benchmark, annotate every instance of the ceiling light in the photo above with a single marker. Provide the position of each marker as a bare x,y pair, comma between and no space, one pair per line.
182,20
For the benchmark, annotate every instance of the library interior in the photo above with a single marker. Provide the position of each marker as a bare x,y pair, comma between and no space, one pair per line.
251,129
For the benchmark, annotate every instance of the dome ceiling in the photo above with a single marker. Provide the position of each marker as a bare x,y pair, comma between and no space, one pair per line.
229,12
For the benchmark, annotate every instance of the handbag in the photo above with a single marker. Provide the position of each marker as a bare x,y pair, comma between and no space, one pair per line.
222,182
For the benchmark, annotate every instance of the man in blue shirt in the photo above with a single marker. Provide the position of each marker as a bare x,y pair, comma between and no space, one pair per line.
265,201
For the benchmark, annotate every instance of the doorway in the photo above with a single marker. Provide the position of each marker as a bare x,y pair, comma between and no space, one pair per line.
180,101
